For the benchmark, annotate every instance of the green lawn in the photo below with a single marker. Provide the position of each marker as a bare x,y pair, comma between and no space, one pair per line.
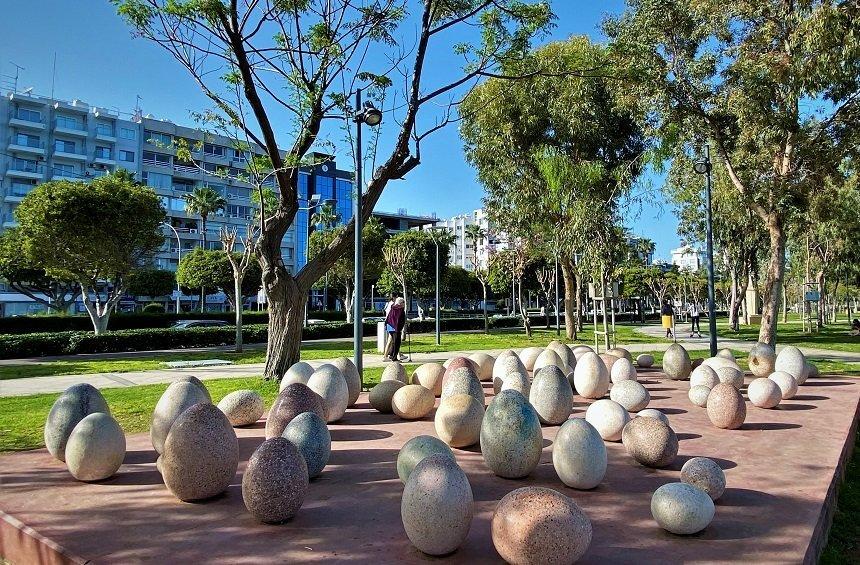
843,542
834,337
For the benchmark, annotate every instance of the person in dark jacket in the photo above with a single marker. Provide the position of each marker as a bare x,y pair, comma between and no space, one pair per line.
394,323
667,314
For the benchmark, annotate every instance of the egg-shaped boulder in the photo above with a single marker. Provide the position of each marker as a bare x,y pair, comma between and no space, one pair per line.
786,382
718,362
608,418
415,450
645,361
608,361
196,382
458,420
328,382
505,366
705,474
457,362
179,397
812,370
698,395
484,365
436,506
309,433
726,407
651,442
621,353
412,402
704,375
682,509
534,525
511,438
350,374
731,375
676,363
201,454
518,382
275,481
631,395
96,448
242,407
580,350
579,455
622,370
380,395
762,359
726,354
564,353
590,378
529,355
290,402
551,395
462,380
429,375
546,358
653,413
298,372
76,403
394,371
792,361
764,393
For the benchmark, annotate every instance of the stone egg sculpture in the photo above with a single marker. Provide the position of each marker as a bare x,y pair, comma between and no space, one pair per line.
436,507
650,441
608,361
812,370
731,375
631,395
309,433
196,382
350,374
564,353
517,382
179,397
380,395
704,375
764,393
653,413
290,402
762,359
726,354
412,402
328,382
580,350
551,395
622,370
462,380
792,361
547,358
511,438
682,509
457,362
726,407
76,403
529,355
534,525
201,454
458,420
429,375
394,371
298,372
676,363
786,382
242,407
621,353
484,365
718,362
698,395
608,418
415,450
506,366
275,481
645,361
96,448
705,474
590,378
579,455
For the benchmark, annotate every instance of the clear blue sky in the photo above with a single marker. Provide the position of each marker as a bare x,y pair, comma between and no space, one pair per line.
99,62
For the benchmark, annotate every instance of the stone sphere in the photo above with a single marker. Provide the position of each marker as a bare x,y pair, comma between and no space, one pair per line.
645,360
726,407
608,418
328,382
786,382
96,448
731,375
242,407
608,361
462,380
579,455
517,382
416,449
551,395
762,359
484,363
201,454
726,354
436,507
178,398
429,375
622,370
676,363
705,474
394,371
792,361
631,395
580,350
511,438
412,402
275,481
682,509
298,373
72,406
653,413
458,420
529,355
764,393
290,402
621,353
650,441
590,377
196,382
546,358
533,525
718,362
350,373
310,435
380,396
564,353
699,395
457,362
704,375
812,370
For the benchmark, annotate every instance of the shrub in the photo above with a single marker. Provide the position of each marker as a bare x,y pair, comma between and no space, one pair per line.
153,308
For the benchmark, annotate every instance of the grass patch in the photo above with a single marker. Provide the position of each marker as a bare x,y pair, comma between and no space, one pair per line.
843,542
833,337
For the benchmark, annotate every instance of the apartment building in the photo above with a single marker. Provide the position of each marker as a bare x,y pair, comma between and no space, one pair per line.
463,251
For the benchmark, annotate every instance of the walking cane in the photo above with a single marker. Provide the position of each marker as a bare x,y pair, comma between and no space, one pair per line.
409,341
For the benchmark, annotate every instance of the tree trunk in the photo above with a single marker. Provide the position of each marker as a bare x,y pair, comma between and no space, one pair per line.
524,313
237,293
570,300
486,318
578,291
773,282
347,302
822,302
286,317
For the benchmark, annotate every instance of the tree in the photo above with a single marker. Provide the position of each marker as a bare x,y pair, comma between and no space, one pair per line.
96,233
771,84
307,59
204,201
211,270
150,282
25,277
325,216
476,234
410,259
240,263
459,284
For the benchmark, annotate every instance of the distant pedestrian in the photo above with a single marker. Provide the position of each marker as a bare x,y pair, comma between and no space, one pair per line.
394,323
389,304
668,316
694,313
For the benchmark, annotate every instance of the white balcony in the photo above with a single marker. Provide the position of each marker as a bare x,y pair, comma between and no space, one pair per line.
71,177
25,172
26,124
29,149
105,136
70,131
13,198
69,155
105,161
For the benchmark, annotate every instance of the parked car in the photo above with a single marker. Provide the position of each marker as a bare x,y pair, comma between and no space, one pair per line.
185,324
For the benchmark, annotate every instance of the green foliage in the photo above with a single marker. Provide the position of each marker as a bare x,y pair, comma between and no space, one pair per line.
150,282
460,284
204,201
210,269
153,308
341,274
24,276
420,269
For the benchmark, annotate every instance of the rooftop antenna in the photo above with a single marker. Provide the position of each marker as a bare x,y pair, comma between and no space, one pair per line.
54,76
18,69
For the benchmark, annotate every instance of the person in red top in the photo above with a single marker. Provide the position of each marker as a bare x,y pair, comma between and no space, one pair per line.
394,322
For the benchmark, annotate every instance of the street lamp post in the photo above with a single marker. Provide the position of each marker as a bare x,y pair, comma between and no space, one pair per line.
703,167
178,261
313,203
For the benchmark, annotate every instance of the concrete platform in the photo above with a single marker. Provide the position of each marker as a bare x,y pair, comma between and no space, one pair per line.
781,468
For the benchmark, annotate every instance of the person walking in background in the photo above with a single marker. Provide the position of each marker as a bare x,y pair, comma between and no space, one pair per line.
667,314
389,304
394,323
694,314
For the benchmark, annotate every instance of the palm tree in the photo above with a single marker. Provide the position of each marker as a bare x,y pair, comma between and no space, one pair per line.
476,233
204,201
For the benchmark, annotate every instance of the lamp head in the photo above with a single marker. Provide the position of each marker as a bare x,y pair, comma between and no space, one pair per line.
702,166
314,200
370,114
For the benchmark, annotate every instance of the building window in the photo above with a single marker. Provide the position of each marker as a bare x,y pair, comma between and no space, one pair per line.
157,138
150,158
157,180
127,133
64,146
65,170
102,152
21,188
180,185
238,192
27,165
103,128
212,149
29,115
27,140
127,156
68,122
